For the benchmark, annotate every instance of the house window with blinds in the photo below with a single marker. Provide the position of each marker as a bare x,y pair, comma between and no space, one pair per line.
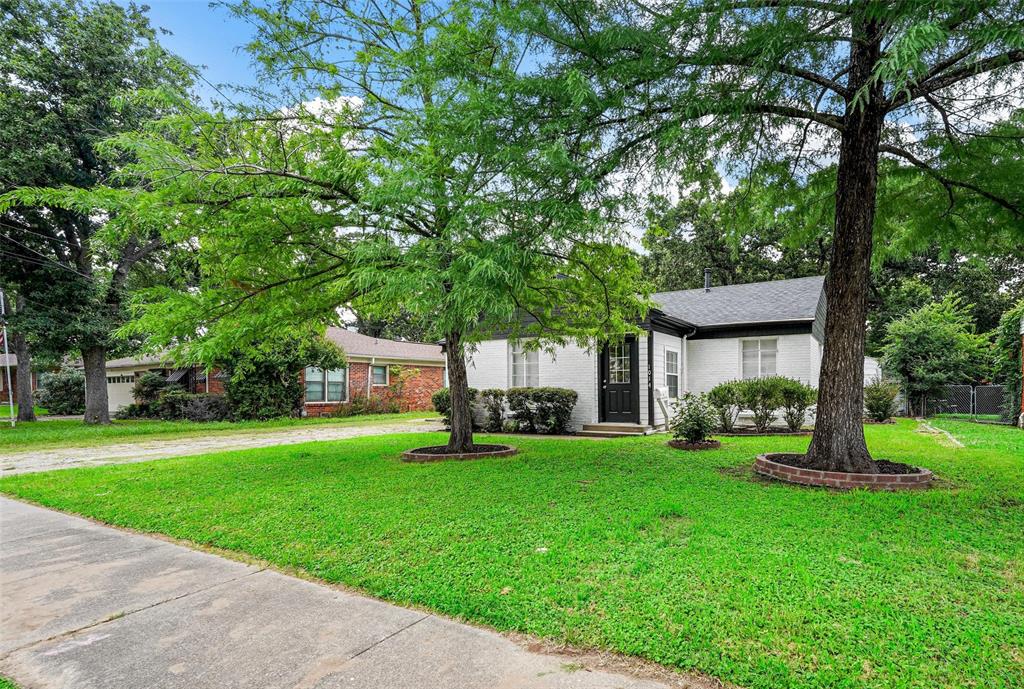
525,367
672,373
759,357
326,386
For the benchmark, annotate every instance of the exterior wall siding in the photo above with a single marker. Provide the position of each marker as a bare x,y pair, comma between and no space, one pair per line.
661,343
713,361
571,367
7,395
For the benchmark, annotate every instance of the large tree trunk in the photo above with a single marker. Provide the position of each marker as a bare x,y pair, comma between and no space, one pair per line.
838,443
94,360
461,438
26,401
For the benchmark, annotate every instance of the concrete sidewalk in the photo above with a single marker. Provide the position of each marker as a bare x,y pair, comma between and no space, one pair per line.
89,607
145,449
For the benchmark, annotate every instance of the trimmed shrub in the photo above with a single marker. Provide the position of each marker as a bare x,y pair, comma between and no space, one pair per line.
541,410
133,411
519,409
763,397
62,392
880,399
494,404
796,398
442,401
725,398
552,409
695,418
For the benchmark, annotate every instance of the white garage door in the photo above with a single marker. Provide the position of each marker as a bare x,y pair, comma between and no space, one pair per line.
119,390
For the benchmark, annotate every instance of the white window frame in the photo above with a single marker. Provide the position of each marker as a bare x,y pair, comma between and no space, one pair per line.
678,374
387,375
515,348
327,386
760,366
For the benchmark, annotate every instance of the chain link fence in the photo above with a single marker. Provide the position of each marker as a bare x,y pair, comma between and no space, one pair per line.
989,403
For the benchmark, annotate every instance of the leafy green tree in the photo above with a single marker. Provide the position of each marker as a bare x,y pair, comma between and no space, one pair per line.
935,346
66,64
1009,361
789,81
399,180
709,228
263,380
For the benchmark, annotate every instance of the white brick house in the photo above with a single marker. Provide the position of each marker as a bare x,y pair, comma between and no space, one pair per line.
693,341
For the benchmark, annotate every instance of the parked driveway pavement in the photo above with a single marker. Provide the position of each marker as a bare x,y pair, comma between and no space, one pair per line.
156,448
90,607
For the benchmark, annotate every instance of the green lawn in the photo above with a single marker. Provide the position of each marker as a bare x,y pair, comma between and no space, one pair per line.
7,684
682,558
62,433
5,413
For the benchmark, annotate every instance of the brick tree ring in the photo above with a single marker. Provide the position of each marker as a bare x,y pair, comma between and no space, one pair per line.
438,453
769,465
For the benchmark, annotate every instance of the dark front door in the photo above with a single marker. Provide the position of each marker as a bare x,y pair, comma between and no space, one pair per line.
620,382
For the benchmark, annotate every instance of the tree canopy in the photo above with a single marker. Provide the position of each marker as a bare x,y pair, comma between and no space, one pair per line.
399,179
800,84
69,65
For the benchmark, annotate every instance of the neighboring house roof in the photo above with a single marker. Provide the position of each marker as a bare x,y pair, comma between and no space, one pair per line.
156,361
358,345
354,344
755,302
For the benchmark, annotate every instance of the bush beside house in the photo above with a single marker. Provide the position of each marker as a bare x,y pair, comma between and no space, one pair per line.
62,392
694,420
531,410
881,398
764,398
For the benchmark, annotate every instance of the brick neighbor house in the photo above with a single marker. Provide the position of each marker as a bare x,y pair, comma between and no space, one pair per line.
406,373
11,394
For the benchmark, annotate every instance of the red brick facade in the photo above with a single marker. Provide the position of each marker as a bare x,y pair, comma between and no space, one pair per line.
409,386
7,393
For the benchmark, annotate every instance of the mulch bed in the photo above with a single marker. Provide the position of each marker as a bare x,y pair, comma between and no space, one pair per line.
738,431
440,453
884,465
703,445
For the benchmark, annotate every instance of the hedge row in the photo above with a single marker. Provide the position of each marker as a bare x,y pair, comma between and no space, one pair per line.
529,410
764,398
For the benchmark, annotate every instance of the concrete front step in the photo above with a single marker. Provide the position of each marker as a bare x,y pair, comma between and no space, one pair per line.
613,430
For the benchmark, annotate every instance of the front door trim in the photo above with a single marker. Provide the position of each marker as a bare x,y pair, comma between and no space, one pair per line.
634,382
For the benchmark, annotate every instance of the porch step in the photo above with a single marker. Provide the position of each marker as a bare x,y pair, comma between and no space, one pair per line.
614,430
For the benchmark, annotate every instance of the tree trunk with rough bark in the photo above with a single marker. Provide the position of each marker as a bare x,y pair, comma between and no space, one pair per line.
94,360
26,401
461,438
838,443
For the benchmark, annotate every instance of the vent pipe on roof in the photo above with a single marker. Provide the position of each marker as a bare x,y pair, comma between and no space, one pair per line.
707,279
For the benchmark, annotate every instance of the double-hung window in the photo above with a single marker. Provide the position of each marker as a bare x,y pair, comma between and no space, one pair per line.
672,373
326,386
379,374
759,357
525,367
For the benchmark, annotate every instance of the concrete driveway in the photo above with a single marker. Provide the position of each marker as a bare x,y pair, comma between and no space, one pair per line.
90,607
143,450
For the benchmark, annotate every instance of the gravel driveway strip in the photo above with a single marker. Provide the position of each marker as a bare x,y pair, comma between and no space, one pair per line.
91,607
145,450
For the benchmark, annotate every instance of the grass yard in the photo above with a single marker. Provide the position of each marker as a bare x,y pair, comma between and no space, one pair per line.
626,544
65,433
5,413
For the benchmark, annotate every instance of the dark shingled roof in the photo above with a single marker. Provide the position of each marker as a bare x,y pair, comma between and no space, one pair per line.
755,302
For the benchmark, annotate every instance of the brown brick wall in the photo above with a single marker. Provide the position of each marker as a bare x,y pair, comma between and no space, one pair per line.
6,394
414,394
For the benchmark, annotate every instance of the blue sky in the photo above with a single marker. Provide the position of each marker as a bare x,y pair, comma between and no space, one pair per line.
204,36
